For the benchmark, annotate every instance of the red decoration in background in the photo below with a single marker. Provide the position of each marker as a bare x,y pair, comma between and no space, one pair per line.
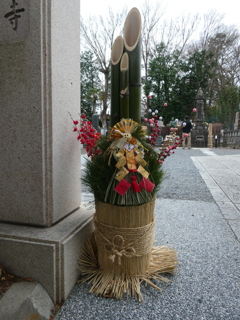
87,135
153,123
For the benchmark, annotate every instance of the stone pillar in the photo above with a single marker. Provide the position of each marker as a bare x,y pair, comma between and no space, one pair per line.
210,136
39,75
40,156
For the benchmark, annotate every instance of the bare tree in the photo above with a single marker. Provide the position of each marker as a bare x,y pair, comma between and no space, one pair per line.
151,16
212,22
174,33
223,43
97,35
181,32
224,46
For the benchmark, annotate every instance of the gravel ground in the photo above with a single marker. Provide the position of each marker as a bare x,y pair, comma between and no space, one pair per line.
182,179
206,285
225,151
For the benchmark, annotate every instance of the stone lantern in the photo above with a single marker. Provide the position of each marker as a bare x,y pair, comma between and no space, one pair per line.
200,134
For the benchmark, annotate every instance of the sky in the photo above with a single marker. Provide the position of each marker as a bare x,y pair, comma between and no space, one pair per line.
173,7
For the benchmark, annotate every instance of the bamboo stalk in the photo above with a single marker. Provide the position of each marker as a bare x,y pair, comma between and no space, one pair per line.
132,43
116,54
124,94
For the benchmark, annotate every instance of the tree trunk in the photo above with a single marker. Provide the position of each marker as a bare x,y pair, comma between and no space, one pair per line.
105,97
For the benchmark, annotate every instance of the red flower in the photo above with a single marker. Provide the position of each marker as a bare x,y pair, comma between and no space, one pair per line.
83,116
75,129
75,121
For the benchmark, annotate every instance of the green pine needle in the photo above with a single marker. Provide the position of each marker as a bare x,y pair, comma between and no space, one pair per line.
99,177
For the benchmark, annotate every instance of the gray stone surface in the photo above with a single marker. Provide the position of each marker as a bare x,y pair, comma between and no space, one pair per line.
39,87
206,285
48,255
26,300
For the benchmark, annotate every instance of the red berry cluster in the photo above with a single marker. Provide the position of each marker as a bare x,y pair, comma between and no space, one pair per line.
155,130
167,149
87,135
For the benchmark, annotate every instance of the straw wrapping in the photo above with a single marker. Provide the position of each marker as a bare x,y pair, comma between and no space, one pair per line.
128,242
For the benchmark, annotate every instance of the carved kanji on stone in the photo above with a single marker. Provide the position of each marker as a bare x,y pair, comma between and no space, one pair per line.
14,15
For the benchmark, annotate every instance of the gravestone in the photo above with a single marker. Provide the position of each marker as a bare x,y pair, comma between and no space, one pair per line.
95,122
159,141
199,136
108,126
210,136
42,224
236,124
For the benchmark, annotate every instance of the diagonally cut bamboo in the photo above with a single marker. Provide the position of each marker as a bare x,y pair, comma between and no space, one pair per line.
116,55
132,43
124,94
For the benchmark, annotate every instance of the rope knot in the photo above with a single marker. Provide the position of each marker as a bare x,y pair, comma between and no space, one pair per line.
118,249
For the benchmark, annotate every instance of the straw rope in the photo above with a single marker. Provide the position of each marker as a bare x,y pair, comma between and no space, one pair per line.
128,242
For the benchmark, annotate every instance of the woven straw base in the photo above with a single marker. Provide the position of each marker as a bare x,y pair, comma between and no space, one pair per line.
109,284
130,230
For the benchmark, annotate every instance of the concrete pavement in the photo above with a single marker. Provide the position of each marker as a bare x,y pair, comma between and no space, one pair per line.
222,177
